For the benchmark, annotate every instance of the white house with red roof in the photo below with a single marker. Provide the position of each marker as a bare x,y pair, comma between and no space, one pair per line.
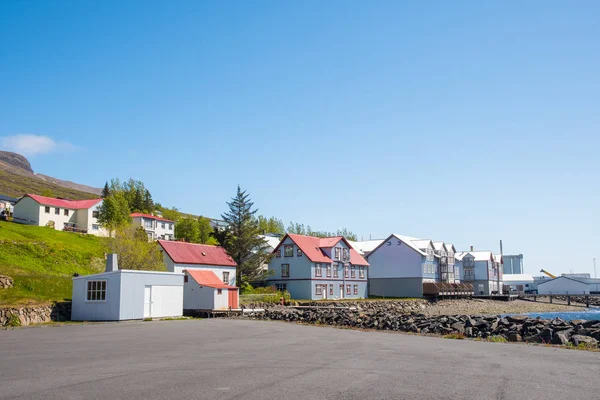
181,256
61,214
204,290
315,268
157,228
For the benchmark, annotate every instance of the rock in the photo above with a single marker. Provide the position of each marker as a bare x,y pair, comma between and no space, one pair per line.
458,327
518,319
561,338
514,337
577,339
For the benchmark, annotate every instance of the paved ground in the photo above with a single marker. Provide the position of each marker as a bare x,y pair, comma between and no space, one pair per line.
238,359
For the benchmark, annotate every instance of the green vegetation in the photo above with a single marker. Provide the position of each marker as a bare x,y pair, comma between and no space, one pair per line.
458,336
582,346
42,261
134,250
497,339
17,185
14,320
195,230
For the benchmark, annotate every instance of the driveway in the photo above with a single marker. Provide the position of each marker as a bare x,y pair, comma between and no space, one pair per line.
241,359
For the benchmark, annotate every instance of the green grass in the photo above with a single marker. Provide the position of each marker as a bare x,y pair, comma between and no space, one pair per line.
42,261
457,336
16,185
497,339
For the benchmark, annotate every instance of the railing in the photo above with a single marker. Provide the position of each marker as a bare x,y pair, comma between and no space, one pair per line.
469,278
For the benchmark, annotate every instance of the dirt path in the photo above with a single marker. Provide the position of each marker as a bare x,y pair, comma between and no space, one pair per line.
494,307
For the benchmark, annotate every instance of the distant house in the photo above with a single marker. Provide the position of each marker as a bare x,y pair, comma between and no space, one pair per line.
365,247
180,256
157,228
271,241
315,268
61,214
7,205
479,268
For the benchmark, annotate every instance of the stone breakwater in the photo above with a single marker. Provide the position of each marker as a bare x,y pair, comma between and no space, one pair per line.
28,315
518,328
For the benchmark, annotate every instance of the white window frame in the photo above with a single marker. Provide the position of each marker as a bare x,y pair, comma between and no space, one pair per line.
285,250
318,290
318,270
95,227
226,277
361,271
328,270
336,270
89,290
148,223
285,267
337,253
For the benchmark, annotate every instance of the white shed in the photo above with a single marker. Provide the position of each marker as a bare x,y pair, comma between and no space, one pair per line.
117,295
563,285
203,290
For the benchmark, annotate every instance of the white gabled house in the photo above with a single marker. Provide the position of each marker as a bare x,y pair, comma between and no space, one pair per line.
479,268
157,228
64,215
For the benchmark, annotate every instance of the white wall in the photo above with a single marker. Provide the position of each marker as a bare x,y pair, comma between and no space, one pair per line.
27,209
83,310
196,297
221,300
218,270
157,227
395,261
563,285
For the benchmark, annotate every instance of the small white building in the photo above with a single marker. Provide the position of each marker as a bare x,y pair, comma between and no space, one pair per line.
117,295
157,228
564,285
64,215
203,290
181,256
520,283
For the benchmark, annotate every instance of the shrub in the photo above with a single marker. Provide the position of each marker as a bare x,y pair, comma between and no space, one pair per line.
14,320
458,336
497,339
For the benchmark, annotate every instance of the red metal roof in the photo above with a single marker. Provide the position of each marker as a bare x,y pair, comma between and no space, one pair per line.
72,204
311,247
208,278
133,215
192,253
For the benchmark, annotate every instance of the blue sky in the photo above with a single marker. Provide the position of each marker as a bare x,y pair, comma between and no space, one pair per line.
467,122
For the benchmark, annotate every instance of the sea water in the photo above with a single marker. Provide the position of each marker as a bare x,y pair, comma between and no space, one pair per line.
590,314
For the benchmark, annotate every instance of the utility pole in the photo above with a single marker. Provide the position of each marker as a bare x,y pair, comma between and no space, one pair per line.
499,266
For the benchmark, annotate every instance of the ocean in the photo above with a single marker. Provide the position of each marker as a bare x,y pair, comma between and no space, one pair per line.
590,314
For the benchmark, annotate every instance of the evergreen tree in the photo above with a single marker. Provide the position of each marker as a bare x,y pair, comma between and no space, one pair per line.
241,238
138,201
148,203
114,212
105,191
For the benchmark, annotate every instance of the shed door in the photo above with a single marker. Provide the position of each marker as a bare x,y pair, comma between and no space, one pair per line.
147,302
233,298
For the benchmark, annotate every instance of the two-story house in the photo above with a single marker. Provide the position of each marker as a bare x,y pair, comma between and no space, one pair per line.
157,228
61,214
480,269
315,268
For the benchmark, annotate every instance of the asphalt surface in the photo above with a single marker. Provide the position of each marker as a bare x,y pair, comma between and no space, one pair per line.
239,359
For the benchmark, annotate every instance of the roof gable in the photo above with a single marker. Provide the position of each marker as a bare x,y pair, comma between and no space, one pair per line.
63,203
200,254
208,278
312,248
407,240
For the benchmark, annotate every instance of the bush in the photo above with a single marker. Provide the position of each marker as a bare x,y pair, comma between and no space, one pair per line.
458,336
497,339
14,320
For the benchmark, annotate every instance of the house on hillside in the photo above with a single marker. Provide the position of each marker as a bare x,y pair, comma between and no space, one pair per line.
7,205
315,268
64,215
157,228
181,256
479,268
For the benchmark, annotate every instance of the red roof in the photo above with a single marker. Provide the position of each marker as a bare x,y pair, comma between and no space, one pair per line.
133,215
208,278
72,204
312,248
192,253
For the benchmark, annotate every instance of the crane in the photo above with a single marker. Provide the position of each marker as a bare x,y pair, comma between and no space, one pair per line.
548,273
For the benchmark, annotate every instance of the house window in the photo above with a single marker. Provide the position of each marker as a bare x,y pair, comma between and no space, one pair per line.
278,254
170,227
329,270
347,272
57,211
425,270
348,289
47,210
95,227
353,271
337,253
318,270
288,250
185,278
281,287
95,214
219,291
285,270
162,225
361,272
336,270
66,212
299,253
345,254
318,290
355,289
331,289
148,223
226,277
96,291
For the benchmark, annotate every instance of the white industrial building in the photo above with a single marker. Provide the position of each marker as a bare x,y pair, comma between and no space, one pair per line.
117,295
565,285
520,283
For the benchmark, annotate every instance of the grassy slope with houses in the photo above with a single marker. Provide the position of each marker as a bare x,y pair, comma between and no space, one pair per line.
42,261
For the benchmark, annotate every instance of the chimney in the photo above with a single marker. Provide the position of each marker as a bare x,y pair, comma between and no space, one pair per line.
112,264
471,248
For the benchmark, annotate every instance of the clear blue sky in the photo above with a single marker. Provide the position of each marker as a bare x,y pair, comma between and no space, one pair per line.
467,122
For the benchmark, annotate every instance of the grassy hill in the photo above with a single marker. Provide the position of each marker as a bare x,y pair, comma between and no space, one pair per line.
42,261
16,185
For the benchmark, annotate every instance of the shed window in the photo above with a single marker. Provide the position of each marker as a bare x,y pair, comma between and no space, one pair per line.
226,277
47,210
96,291
95,214
219,291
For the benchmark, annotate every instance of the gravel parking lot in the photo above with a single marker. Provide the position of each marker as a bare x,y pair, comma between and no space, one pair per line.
241,359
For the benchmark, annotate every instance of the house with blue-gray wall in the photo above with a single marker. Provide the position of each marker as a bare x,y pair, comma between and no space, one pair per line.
480,268
318,268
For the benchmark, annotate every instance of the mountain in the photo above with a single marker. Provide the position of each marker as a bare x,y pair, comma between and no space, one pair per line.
18,178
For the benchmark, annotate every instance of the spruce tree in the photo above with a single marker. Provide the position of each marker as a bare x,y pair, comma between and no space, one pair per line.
105,191
242,240
148,203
